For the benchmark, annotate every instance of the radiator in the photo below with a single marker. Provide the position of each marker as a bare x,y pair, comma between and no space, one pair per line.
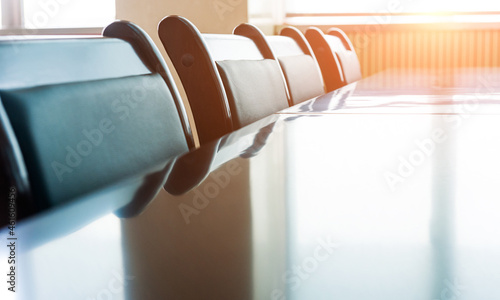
426,49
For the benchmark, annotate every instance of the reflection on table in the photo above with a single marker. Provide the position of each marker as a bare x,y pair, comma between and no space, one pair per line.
297,206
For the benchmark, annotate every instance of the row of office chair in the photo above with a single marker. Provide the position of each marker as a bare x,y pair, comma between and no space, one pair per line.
334,48
78,115
232,80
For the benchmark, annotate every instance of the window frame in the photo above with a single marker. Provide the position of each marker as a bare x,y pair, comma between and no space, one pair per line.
12,23
463,20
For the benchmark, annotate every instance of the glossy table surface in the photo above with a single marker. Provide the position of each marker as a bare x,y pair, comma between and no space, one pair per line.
370,199
424,91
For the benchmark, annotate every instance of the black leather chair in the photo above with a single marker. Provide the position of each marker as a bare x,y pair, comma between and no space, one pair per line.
80,114
298,62
230,80
336,56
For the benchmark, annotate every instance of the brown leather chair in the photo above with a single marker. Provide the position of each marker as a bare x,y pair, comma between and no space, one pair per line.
297,60
230,80
336,57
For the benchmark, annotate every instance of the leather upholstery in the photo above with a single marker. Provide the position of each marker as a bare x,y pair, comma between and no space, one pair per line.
79,137
231,47
300,69
283,46
303,77
41,62
254,88
85,113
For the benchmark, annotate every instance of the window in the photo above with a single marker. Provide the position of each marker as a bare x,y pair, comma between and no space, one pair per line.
360,12
41,14
300,12
389,6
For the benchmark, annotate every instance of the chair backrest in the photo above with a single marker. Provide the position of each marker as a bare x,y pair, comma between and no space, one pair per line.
79,114
336,57
230,80
298,63
340,43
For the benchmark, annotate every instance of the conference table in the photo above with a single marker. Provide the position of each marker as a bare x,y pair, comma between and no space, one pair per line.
387,188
